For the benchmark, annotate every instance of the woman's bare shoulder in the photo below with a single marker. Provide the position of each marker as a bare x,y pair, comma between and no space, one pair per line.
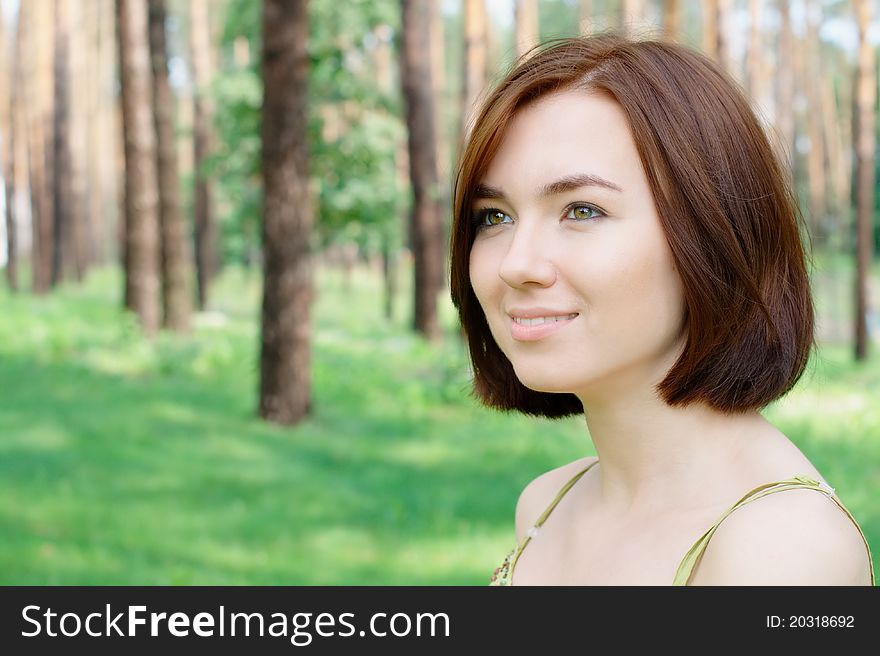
793,537
541,491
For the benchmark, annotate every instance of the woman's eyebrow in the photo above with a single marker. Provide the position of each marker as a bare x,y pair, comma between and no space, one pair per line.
568,183
488,192
576,181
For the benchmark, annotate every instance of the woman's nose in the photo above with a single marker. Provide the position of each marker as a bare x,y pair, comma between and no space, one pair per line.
527,259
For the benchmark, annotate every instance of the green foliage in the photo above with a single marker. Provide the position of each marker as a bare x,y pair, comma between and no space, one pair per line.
557,18
235,163
359,197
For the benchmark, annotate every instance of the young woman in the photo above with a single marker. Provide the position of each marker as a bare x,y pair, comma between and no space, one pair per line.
626,246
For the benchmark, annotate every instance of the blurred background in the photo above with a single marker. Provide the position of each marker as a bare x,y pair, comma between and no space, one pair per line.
227,349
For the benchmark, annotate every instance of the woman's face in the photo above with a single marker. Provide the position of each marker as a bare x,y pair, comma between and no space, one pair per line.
571,265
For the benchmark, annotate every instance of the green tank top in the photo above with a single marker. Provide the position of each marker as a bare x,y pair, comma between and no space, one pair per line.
504,573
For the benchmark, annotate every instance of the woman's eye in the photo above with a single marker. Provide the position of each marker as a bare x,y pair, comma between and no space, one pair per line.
491,217
583,212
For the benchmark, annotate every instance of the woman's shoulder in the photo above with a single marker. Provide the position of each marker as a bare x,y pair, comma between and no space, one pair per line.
789,537
539,493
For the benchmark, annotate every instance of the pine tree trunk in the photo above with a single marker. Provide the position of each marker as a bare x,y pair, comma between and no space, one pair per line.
107,142
710,28
526,15
805,61
586,22
65,264
475,60
83,226
285,359
631,15
37,20
441,133
17,185
7,90
207,264
865,97
784,115
837,174
438,79
715,35
671,19
90,26
81,94
389,275
141,190
172,230
755,55
426,224
19,142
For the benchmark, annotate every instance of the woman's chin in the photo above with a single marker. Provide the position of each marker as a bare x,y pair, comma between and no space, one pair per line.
550,385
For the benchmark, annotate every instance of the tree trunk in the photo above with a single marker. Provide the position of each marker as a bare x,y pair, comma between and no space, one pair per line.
493,54
285,359
825,132
754,54
586,23
426,223
710,28
631,15
141,190
809,79
671,19
107,141
837,170
866,89
442,136
79,93
390,256
62,214
783,138
438,79
475,52
526,15
17,184
37,20
19,142
206,247
715,34
88,33
7,134
66,216
120,191
172,230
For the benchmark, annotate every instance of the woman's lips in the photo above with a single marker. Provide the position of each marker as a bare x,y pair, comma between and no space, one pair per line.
530,333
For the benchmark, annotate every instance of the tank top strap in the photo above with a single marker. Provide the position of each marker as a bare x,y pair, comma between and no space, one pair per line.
544,515
565,488
692,557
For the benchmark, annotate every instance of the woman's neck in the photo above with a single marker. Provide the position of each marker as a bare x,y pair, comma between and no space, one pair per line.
653,456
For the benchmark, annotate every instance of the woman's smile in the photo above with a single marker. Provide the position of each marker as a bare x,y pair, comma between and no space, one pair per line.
525,329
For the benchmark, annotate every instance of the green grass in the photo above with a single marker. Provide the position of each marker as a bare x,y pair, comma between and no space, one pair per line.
124,461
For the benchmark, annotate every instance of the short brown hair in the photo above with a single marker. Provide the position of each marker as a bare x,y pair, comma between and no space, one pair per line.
725,205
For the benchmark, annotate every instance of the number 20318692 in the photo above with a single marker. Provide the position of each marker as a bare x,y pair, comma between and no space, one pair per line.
810,622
